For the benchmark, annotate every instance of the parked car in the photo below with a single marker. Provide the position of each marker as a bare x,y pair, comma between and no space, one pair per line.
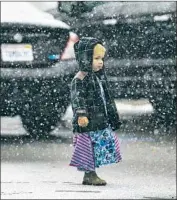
36,60
141,42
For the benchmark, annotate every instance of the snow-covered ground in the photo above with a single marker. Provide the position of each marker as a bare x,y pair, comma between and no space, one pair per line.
40,170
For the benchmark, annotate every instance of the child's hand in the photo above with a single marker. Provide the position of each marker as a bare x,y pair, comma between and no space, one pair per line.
83,121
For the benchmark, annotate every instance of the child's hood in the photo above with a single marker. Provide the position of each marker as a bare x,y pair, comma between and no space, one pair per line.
84,52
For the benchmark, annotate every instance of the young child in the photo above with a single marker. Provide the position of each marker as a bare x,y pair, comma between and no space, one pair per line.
95,116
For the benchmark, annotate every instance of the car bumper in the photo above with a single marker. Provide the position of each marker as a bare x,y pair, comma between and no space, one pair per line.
21,87
144,78
58,70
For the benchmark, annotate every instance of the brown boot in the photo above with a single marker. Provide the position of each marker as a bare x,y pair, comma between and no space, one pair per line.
91,178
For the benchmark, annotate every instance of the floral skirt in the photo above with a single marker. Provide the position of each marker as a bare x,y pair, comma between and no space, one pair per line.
94,149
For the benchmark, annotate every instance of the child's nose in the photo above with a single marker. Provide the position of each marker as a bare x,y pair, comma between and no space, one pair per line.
101,61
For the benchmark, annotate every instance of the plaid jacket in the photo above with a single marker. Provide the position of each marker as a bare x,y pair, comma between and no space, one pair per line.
86,99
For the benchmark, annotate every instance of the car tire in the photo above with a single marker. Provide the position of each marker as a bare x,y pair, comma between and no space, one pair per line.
39,120
165,113
39,126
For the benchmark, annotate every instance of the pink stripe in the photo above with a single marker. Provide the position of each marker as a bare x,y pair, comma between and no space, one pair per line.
117,145
81,137
82,151
86,142
80,155
89,167
117,142
77,160
81,163
83,140
84,147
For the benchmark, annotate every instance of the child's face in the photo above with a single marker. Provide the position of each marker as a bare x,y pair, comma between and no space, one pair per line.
98,56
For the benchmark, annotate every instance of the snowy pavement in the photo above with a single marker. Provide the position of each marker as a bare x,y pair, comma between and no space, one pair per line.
40,170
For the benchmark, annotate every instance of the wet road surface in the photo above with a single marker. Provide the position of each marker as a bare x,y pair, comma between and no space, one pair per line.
40,169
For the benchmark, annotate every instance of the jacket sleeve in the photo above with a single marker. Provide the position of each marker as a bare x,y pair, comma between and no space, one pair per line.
78,98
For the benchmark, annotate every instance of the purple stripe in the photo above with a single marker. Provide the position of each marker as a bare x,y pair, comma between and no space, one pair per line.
117,148
86,144
81,136
84,168
118,155
74,163
117,142
83,163
81,151
118,158
81,155
81,147
83,140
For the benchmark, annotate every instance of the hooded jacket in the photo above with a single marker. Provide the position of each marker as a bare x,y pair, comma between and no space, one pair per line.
86,99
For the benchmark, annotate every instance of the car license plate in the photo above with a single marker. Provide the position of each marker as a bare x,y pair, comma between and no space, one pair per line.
16,52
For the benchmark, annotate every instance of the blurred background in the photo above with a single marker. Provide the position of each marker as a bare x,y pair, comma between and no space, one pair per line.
38,63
